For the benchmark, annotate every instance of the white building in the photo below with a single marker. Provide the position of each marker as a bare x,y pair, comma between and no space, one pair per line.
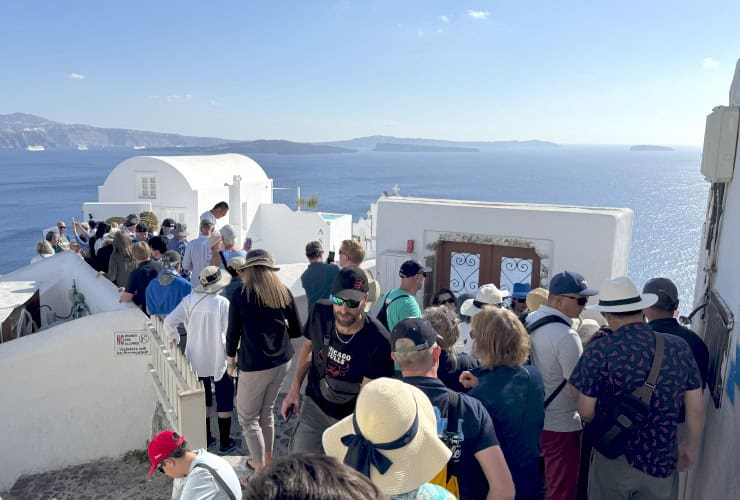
183,187
717,301
469,243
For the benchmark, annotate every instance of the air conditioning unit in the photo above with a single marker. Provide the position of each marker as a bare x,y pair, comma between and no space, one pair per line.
720,144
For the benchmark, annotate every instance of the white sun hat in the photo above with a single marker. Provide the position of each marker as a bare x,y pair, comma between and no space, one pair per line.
488,295
621,295
395,422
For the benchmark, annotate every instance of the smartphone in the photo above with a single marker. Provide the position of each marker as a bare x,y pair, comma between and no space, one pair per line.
330,258
289,412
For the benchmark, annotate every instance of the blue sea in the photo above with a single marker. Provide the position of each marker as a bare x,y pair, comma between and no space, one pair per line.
665,190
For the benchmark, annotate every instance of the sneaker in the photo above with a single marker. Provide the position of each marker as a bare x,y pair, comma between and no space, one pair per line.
228,448
211,442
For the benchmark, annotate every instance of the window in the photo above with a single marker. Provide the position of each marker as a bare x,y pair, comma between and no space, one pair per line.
147,186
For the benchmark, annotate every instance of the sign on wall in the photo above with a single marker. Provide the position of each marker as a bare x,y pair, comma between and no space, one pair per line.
131,343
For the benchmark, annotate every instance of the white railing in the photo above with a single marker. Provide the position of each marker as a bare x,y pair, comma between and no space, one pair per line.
179,390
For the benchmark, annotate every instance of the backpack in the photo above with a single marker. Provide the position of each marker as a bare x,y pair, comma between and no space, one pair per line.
382,315
618,419
546,320
452,436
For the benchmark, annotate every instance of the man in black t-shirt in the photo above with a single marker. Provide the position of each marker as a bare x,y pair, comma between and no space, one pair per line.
344,350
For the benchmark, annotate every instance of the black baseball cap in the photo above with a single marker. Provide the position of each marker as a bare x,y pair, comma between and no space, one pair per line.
168,223
665,290
418,330
350,283
142,228
412,268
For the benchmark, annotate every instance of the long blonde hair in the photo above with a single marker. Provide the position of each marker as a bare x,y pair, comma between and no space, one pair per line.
263,286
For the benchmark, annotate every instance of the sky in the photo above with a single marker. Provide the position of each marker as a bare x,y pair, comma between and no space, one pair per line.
572,72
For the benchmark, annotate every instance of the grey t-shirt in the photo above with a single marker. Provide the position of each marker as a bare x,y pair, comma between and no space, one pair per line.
200,483
556,349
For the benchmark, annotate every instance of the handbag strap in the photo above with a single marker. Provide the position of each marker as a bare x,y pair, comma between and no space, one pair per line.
555,393
645,391
218,479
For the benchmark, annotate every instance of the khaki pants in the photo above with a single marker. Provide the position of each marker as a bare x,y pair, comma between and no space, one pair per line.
617,480
255,401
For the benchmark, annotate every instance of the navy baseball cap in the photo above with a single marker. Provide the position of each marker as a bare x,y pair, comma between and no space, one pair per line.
570,282
412,268
418,330
350,283
665,290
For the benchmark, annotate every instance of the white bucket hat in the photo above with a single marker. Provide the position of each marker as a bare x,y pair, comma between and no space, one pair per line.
488,295
621,295
393,422
212,280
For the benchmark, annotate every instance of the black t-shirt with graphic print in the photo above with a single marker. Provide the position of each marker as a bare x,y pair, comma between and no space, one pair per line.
348,358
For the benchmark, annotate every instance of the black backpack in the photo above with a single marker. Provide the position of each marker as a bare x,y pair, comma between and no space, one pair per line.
382,315
530,329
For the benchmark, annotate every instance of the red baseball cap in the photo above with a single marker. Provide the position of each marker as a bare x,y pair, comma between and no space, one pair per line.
161,446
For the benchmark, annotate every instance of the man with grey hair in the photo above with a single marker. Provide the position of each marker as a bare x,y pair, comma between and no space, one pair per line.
479,464
229,237
198,252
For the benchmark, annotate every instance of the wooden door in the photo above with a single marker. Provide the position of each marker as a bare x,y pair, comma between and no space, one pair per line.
463,267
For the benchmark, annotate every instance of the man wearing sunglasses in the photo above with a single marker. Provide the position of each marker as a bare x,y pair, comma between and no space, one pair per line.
344,349
556,348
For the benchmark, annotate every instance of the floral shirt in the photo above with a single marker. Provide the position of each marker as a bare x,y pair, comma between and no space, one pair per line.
426,491
618,364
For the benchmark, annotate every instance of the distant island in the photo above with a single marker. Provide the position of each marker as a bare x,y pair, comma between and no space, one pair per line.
20,130
648,147
35,133
370,142
390,147
261,147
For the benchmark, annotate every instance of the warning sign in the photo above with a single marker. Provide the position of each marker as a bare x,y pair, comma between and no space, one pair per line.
131,343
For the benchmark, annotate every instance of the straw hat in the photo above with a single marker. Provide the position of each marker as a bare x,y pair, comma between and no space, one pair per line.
536,298
212,280
259,257
110,234
621,295
386,410
488,295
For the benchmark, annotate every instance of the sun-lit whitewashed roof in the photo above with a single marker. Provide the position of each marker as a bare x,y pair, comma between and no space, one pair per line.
203,172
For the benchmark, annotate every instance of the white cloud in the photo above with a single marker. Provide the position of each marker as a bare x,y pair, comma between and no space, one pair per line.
444,19
480,15
420,33
214,102
76,76
710,62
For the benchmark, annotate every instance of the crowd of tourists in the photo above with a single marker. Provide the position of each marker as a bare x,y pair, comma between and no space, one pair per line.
494,394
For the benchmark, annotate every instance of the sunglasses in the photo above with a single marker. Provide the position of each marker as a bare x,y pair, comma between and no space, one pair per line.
339,302
62,227
446,301
582,301
521,301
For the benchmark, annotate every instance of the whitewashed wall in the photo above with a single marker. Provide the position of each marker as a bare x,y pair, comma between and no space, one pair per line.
285,233
67,400
592,241
716,472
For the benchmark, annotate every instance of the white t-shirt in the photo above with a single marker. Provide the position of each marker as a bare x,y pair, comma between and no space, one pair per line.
207,215
556,349
206,317
200,483
197,257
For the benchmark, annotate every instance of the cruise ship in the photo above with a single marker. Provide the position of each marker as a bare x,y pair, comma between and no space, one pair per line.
35,148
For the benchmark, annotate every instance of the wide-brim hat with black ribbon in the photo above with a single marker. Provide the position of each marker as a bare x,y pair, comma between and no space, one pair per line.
621,295
488,295
261,258
212,280
391,437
